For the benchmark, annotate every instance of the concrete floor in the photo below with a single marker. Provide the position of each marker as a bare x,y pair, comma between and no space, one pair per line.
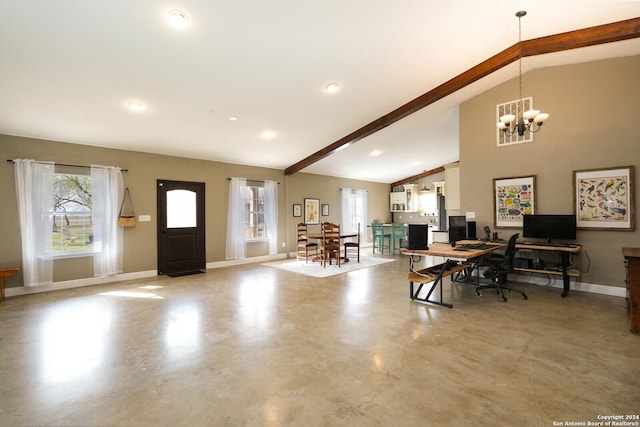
257,346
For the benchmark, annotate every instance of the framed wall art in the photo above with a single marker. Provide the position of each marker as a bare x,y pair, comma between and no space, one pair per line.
312,211
297,210
513,198
603,198
325,209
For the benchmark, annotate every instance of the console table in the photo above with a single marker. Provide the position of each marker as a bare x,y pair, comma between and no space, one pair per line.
6,272
632,261
564,251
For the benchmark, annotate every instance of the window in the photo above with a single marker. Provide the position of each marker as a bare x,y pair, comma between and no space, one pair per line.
71,224
255,227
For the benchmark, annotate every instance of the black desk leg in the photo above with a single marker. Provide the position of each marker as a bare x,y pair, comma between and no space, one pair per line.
566,280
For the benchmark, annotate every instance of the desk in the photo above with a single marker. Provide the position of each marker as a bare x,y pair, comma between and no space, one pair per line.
6,272
564,251
457,260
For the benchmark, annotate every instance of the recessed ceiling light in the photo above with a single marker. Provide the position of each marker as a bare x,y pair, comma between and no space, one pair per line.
177,18
135,106
233,118
267,134
375,153
332,88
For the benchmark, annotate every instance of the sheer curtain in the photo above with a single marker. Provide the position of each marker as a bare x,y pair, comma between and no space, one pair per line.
236,218
34,190
354,211
271,214
106,195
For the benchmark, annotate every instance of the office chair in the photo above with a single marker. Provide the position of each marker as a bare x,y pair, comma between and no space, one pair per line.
498,266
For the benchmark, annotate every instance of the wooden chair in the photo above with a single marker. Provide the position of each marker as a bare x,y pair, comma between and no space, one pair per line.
304,247
330,246
353,247
379,237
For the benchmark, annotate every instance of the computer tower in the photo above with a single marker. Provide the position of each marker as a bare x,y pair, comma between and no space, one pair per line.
457,228
471,230
418,236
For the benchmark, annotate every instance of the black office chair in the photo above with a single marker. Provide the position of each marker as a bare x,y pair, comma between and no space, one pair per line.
497,268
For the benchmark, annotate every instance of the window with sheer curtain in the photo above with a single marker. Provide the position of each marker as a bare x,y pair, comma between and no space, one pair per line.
64,215
252,216
354,211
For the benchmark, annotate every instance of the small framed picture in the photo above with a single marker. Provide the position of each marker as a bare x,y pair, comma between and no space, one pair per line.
297,210
325,209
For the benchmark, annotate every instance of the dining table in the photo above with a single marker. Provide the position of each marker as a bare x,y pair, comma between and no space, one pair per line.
318,236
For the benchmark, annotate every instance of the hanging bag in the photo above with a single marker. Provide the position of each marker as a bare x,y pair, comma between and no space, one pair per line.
124,218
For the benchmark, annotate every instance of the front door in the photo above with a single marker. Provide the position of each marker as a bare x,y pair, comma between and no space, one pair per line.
181,234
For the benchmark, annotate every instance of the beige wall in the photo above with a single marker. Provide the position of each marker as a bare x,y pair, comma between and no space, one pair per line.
593,124
143,171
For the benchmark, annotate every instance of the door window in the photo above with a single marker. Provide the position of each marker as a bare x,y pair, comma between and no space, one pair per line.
181,209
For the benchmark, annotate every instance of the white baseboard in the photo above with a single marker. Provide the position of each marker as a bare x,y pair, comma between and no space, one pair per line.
556,282
91,281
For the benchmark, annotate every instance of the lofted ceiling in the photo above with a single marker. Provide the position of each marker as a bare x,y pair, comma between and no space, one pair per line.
70,67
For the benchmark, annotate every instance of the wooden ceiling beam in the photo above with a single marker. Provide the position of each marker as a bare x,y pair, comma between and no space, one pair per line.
417,177
607,33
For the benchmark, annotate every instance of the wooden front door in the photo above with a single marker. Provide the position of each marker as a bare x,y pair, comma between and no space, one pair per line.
181,233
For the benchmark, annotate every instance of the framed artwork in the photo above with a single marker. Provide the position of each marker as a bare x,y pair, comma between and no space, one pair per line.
513,198
325,209
312,211
297,209
603,199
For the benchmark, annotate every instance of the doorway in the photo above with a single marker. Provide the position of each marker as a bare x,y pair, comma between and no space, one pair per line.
181,232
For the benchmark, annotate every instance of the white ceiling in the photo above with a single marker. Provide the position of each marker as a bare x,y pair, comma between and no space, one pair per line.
69,68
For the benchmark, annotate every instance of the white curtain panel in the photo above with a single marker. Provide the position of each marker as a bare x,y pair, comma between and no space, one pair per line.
346,207
106,195
354,211
34,190
236,219
361,207
271,214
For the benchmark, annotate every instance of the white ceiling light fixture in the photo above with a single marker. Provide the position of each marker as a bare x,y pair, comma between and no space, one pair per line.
177,18
136,106
332,87
375,153
268,134
233,118
531,120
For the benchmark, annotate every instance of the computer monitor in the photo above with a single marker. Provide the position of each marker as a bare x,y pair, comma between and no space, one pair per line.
457,228
549,227
418,236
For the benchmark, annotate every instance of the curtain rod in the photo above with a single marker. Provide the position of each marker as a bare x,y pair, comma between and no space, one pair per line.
254,180
70,165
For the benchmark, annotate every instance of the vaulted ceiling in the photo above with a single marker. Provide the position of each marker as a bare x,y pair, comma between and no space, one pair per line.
70,68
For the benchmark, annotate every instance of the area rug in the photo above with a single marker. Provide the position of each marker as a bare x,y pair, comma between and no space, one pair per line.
314,269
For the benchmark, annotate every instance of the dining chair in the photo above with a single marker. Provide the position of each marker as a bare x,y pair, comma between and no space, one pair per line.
330,246
305,247
353,246
398,237
379,237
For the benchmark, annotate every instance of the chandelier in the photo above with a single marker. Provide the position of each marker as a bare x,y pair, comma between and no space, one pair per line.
531,120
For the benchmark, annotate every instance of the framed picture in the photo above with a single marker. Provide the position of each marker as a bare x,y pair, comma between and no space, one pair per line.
325,209
312,211
513,198
297,209
603,199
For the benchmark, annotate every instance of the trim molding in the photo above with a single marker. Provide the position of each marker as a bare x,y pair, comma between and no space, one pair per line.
79,283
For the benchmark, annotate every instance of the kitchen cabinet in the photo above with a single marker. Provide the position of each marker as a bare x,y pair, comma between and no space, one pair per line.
404,201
